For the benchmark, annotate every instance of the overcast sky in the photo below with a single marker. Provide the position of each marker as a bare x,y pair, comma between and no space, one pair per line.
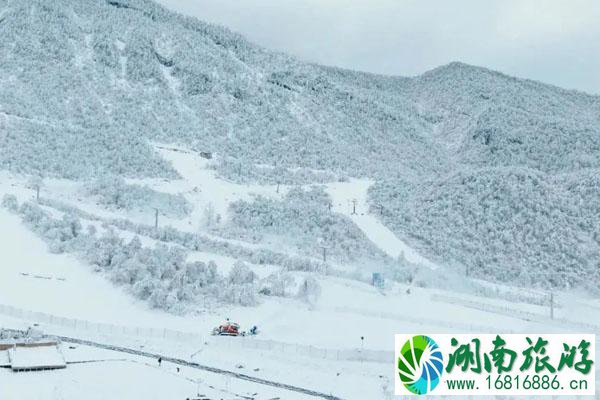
554,41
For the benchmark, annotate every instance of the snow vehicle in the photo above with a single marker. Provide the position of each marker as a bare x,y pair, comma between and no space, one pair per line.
227,329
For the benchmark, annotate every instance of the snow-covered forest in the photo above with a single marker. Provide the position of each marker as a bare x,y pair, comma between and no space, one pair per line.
159,274
161,177
506,224
113,192
304,219
484,172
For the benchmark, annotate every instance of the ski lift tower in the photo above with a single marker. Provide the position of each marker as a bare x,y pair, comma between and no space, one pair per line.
324,247
354,202
155,218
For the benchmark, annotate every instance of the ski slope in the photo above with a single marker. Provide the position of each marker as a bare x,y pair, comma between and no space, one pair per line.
198,178
350,199
32,279
201,186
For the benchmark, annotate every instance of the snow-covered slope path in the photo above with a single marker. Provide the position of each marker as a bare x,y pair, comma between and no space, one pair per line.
350,199
201,185
219,193
195,365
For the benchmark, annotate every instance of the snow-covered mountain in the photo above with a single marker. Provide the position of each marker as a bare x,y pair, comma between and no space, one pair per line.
486,118
469,162
106,76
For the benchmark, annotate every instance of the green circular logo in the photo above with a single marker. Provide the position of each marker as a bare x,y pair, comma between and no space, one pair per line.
420,364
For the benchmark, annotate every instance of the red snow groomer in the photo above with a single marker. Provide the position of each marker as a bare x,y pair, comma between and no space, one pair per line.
227,329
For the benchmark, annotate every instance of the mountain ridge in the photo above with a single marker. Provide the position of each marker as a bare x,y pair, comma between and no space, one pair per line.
203,85
87,86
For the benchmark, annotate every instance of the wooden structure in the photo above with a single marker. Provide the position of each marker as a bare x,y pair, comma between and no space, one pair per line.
31,356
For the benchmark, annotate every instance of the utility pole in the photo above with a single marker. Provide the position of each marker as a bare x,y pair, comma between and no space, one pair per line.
324,248
354,201
156,218
362,347
36,183
551,305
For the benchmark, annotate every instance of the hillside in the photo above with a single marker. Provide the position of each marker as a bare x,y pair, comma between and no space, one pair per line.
467,161
105,90
508,224
490,119
71,300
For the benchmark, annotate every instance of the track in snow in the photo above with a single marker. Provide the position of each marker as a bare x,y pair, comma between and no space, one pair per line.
190,364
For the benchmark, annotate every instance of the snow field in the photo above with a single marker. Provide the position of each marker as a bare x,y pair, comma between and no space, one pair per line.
347,309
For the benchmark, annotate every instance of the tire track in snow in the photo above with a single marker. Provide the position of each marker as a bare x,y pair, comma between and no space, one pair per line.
190,364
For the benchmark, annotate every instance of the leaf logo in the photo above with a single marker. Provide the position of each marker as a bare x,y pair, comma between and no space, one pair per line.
420,364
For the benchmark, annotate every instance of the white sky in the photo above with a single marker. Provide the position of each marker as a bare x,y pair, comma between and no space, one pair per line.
554,41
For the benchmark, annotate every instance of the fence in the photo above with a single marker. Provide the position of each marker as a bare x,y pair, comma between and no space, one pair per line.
189,337
516,313
419,320
103,328
312,351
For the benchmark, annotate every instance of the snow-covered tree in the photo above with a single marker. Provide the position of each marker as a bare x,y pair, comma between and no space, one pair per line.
277,284
241,274
36,183
309,290
10,202
208,216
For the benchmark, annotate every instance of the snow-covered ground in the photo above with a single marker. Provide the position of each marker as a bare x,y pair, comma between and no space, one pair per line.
350,198
23,358
61,286
102,374
201,185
